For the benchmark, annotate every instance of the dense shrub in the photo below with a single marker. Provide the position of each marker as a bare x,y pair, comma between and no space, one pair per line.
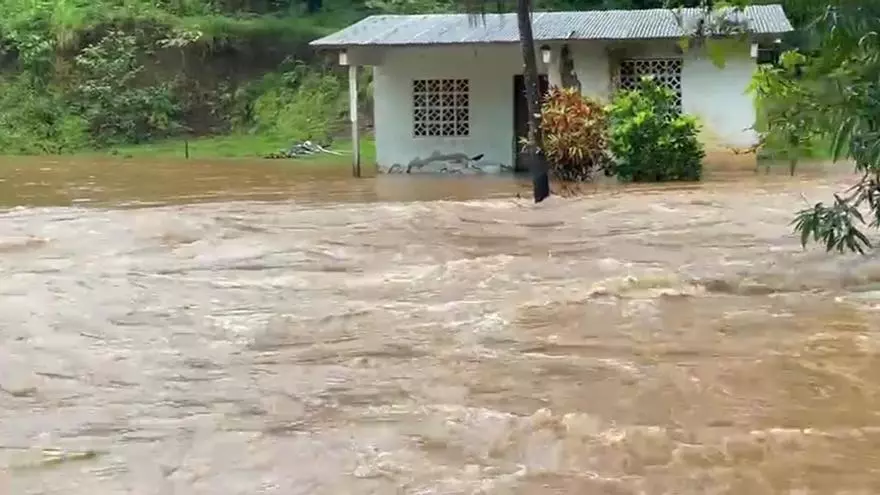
116,105
34,119
650,140
787,132
298,104
574,130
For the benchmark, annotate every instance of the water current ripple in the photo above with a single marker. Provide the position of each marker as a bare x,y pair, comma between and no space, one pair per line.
340,337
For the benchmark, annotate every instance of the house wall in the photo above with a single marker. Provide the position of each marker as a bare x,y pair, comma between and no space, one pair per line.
594,62
489,69
716,96
591,67
719,98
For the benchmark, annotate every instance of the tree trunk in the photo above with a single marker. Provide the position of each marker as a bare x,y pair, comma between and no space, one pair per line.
534,155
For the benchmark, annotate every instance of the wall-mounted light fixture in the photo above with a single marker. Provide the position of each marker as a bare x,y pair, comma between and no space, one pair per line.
546,54
754,50
343,57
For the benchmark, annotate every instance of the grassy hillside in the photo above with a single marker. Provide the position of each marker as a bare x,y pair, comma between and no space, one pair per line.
90,74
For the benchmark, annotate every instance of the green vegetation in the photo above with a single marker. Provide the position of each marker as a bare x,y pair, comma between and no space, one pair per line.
640,137
787,134
650,140
574,129
823,98
834,93
80,75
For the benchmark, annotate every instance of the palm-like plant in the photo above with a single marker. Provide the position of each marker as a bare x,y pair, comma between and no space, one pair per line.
834,91
841,87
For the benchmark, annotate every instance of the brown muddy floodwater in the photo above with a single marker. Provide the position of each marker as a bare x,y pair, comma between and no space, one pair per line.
229,328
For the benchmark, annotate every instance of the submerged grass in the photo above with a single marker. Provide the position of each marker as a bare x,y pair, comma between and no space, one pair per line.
241,146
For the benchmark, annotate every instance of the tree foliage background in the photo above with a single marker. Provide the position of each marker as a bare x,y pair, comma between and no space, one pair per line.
833,89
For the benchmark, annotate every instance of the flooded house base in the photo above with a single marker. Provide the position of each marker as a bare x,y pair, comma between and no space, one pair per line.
450,85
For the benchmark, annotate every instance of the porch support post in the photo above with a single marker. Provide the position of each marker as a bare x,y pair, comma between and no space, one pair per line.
353,117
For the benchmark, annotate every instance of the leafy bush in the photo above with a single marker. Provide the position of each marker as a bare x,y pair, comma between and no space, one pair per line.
650,140
787,132
34,119
574,130
107,93
299,104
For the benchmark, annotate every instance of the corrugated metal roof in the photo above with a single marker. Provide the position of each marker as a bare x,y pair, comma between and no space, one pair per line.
433,29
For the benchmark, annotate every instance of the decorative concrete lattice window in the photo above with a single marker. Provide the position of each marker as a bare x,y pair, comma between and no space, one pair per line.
666,71
441,107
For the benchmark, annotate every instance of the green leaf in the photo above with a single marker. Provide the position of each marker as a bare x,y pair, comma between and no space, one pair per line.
862,238
805,232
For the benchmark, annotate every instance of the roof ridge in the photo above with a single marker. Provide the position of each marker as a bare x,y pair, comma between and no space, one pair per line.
589,11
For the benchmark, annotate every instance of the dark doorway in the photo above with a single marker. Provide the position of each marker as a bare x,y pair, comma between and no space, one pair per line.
521,115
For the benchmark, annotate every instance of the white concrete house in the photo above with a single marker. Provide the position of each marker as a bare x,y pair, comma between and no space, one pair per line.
450,87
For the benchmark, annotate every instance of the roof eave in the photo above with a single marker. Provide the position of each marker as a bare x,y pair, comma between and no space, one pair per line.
318,44
338,46
379,31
